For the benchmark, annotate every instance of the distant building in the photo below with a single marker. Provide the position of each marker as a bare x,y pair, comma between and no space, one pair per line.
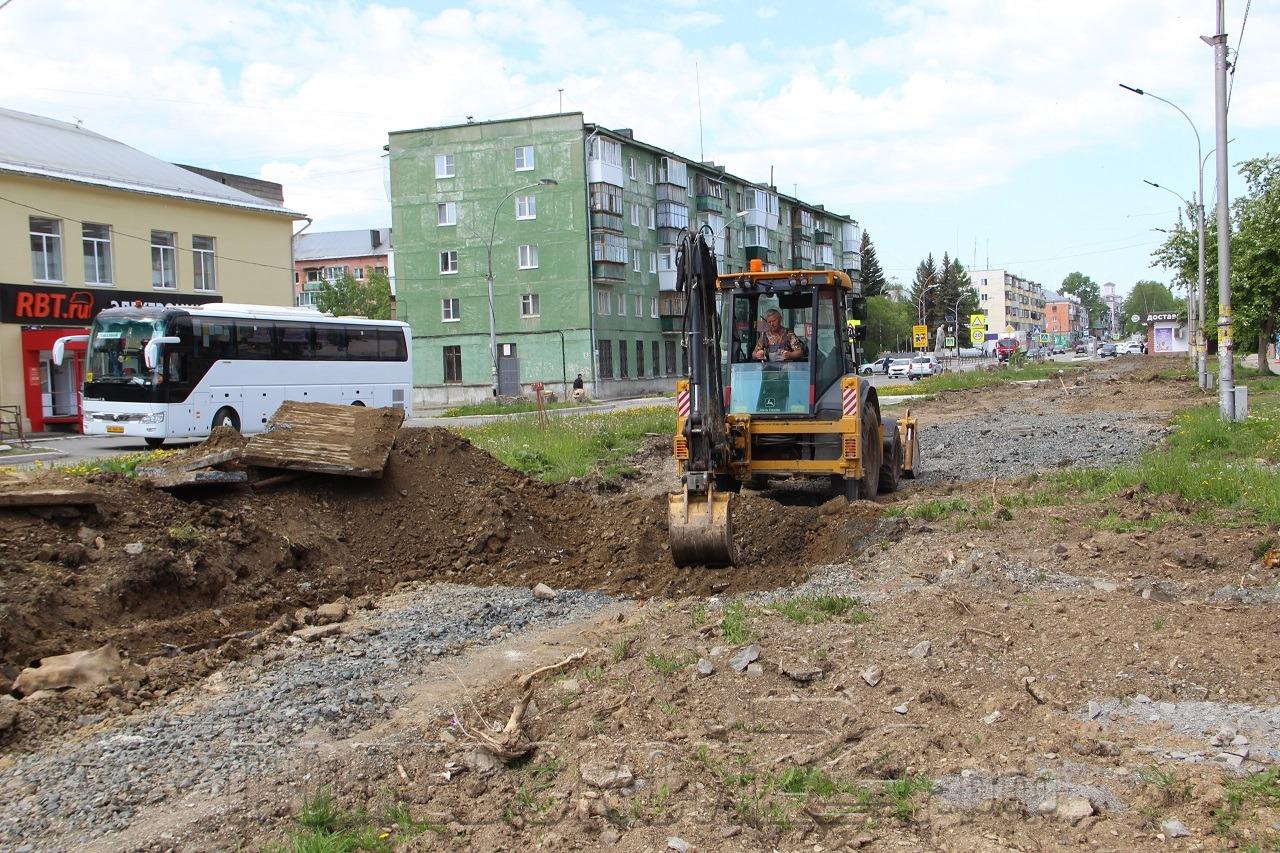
1110,323
328,255
1166,332
1064,318
1011,303
87,223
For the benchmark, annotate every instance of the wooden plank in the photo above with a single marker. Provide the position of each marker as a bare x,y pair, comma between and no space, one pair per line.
183,479
350,441
190,463
23,497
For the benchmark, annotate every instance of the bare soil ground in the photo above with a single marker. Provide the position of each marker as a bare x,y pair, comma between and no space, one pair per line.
1049,674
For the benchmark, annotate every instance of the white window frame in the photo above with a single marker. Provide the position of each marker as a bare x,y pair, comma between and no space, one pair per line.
204,264
524,158
530,305
649,171
333,273
635,262
450,310
446,213
527,257
444,166
46,264
622,304
159,252
653,219
631,168
99,250
449,262
639,305
653,262
604,303
357,272
653,307
526,207
635,214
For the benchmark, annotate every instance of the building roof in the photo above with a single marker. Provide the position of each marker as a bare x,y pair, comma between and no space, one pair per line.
45,148
321,245
1051,296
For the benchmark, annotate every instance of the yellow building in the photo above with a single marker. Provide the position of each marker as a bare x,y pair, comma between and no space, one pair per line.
87,223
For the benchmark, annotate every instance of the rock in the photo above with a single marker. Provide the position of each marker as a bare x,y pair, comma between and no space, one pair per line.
317,632
40,696
705,668
801,671
1239,740
993,718
872,675
497,631
1059,548
730,831
921,650
609,835
335,611
1159,594
900,709
1174,828
1047,807
1095,709
133,549
1235,762
742,659
1074,809
1105,586
606,775
679,845
482,761
570,685
755,670
542,592
8,716
86,535
861,841
88,668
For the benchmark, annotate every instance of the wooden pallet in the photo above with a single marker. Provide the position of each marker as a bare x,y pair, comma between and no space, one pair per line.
350,441
18,495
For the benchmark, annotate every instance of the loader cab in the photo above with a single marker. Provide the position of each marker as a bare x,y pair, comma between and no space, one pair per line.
815,313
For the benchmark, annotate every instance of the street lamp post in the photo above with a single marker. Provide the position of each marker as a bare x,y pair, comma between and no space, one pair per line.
920,308
493,319
1196,318
1196,333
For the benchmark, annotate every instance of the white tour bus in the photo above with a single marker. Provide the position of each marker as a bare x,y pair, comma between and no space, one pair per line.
160,373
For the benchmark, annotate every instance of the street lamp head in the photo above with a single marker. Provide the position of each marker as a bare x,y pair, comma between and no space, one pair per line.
1151,183
549,182
1133,89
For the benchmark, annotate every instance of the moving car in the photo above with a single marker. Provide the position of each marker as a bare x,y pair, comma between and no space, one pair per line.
899,368
1107,351
880,365
1130,348
1059,350
922,366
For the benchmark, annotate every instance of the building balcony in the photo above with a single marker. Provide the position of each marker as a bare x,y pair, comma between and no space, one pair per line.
710,204
608,271
668,236
674,323
851,261
758,253
800,233
606,221
823,237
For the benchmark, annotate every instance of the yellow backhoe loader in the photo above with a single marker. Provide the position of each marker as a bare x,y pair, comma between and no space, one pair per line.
772,391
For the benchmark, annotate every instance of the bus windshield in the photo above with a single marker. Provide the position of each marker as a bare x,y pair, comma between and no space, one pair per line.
116,350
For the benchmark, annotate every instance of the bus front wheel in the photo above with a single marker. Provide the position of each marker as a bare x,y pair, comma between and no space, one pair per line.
226,416
153,442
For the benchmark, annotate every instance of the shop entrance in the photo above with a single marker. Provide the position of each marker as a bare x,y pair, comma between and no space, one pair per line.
52,391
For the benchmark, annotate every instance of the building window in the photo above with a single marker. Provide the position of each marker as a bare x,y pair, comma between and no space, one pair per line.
448,262
984,297
358,273
453,365
635,215
635,261
524,158
444,165
653,219
656,364
653,262
164,258
447,213
528,257
639,359
623,373
606,359
622,304
46,249
669,350
608,247
639,309
603,302
649,168
202,255
334,273
97,254
526,207
605,150
606,198
450,311
653,312
667,258
631,168
529,305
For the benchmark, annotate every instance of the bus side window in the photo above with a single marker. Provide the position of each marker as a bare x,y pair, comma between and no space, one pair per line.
213,339
391,345
331,343
177,356
253,339
362,343
293,341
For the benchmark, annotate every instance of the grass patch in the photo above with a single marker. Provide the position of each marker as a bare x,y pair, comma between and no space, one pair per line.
186,534
964,380
1243,795
901,794
734,624
494,408
667,664
325,827
125,463
816,609
572,446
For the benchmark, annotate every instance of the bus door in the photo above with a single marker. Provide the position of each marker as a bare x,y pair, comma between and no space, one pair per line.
176,380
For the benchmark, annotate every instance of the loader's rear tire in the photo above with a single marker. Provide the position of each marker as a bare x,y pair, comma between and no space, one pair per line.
758,482
850,488
872,455
891,467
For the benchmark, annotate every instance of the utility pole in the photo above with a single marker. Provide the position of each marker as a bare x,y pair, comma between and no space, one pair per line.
1226,348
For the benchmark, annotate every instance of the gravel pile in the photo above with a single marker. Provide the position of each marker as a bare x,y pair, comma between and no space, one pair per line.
249,717
1018,444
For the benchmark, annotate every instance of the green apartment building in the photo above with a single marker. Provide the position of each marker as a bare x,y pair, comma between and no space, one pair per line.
579,224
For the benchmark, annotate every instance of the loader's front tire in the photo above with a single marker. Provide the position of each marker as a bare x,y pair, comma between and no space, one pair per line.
891,467
872,455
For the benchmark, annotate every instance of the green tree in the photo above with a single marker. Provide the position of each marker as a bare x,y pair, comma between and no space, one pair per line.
1147,297
1179,253
872,275
922,291
888,326
1255,255
1085,289
348,297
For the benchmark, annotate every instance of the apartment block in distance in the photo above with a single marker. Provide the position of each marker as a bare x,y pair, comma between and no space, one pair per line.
1064,318
328,255
1012,303
579,225
88,223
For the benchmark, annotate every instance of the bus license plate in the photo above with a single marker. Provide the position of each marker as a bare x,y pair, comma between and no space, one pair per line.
118,429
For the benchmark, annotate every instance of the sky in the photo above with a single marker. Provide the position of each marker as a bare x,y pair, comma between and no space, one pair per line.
993,130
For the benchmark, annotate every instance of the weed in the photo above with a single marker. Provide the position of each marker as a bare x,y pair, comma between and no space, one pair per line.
330,829
932,510
399,816
703,754
186,534
1172,791
902,793
698,616
622,649
1262,546
667,708
810,780
734,623
125,463
1159,623
593,673
816,609
667,664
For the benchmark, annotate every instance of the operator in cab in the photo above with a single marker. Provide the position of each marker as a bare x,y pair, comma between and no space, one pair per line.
777,343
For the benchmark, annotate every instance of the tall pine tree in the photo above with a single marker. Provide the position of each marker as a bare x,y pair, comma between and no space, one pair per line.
872,275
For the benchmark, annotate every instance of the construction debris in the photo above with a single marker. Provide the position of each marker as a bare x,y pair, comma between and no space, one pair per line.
78,669
22,495
352,441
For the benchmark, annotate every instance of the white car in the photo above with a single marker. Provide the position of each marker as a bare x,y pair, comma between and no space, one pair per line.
922,367
1129,348
899,367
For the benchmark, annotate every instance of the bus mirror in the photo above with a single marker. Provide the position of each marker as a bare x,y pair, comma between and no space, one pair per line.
152,351
60,346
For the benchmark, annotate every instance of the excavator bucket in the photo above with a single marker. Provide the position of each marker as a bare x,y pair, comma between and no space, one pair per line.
700,531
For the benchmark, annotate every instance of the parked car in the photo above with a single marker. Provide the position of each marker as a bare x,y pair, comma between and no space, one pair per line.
899,367
1059,350
1082,348
880,365
1130,348
1107,351
923,366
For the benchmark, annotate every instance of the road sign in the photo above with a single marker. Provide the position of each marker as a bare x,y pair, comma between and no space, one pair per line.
1044,339
978,320
977,334
920,337
951,342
